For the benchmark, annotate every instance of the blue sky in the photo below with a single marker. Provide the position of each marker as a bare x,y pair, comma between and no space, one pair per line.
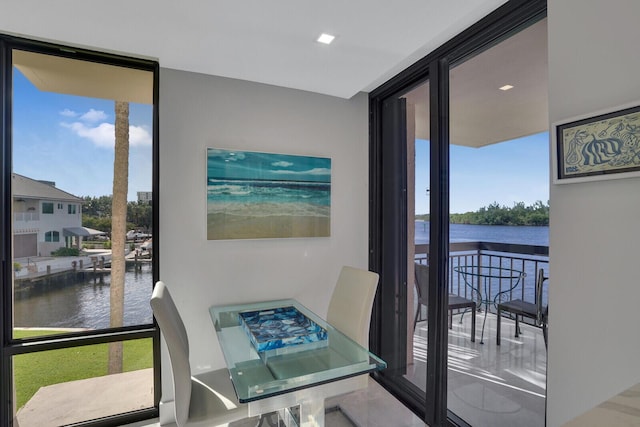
233,164
507,173
69,140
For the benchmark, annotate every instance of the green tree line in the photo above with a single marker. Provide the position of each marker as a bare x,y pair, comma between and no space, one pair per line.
494,214
96,213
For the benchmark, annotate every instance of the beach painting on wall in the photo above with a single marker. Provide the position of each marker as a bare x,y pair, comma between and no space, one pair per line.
253,195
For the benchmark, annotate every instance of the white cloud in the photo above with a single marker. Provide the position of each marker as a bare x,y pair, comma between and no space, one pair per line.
282,164
68,113
94,116
139,135
227,156
103,135
315,171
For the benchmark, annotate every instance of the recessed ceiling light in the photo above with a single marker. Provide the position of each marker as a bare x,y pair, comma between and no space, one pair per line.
506,87
326,38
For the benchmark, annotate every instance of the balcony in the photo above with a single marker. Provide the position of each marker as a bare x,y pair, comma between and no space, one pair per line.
26,217
488,384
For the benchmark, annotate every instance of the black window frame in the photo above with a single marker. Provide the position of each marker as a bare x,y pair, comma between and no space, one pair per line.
499,25
9,346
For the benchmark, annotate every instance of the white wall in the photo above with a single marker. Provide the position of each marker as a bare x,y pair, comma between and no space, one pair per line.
594,338
199,111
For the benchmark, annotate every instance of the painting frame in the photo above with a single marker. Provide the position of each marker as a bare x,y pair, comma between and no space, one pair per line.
597,146
263,195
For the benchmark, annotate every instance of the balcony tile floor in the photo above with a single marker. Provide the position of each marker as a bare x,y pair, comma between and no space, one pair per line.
490,385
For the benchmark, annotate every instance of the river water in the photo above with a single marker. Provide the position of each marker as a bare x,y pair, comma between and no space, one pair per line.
524,235
85,304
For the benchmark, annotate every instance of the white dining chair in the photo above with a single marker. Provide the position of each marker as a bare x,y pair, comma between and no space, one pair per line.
351,303
350,313
207,399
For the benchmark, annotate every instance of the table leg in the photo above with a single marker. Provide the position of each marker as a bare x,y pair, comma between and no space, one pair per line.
312,413
483,322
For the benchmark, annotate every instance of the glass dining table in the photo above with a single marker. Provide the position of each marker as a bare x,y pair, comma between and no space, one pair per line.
281,355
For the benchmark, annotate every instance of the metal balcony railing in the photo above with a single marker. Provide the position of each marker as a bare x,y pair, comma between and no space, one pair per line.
526,258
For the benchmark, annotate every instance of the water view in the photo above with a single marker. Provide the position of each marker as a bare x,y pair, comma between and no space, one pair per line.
524,235
85,303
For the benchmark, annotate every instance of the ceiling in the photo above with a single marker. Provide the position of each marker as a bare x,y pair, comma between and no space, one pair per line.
481,113
270,42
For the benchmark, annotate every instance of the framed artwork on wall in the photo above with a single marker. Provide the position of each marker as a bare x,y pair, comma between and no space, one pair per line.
255,195
602,146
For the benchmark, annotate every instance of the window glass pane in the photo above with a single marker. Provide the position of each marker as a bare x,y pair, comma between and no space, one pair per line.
65,263
499,169
418,184
60,387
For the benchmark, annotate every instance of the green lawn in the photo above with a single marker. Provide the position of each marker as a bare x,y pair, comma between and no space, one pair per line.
35,370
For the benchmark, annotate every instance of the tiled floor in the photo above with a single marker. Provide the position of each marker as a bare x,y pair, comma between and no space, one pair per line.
490,385
374,407
371,407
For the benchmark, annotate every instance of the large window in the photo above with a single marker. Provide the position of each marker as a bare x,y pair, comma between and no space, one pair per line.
77,318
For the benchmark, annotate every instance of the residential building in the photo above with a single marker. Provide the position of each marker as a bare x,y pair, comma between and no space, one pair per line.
45,218
145,196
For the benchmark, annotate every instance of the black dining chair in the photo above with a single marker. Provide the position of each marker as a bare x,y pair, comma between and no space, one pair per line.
456,302
532,310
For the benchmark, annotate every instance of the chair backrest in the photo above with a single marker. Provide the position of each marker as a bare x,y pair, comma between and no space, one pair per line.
351,303
422,282
539,286
175,336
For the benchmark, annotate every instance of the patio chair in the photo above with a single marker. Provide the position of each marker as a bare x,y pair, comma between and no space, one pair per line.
520,308
206,399
456,302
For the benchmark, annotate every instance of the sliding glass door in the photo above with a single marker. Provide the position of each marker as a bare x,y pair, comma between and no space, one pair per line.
422,321
499,169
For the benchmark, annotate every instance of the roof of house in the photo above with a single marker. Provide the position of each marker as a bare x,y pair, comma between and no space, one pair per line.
31,189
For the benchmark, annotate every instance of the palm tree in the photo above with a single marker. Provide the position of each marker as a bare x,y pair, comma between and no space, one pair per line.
119,229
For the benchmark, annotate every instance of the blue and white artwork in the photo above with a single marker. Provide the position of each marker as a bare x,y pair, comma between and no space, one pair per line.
601,145
254,195
280,327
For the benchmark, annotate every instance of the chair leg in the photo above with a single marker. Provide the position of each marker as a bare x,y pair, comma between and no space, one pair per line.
450,319
415,319
517,327
473,324
499,316
544,334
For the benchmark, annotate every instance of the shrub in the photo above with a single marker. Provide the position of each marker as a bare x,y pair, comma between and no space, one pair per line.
66,252
17,266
